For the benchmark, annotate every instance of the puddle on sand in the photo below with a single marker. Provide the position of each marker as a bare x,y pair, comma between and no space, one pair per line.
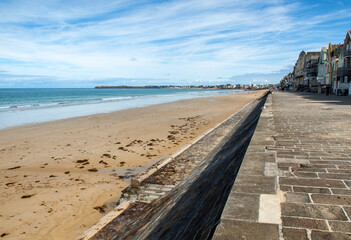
127,173
124,173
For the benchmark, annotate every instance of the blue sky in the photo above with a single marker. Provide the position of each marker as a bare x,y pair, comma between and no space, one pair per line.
72,43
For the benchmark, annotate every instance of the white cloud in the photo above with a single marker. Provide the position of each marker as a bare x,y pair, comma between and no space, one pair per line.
173,40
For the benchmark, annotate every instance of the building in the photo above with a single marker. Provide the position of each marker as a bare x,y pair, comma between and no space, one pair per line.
326,71
331,66
321,72
299,71
288,82
291,81
311,71
344,68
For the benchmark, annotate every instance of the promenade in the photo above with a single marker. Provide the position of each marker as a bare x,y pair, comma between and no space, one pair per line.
295,179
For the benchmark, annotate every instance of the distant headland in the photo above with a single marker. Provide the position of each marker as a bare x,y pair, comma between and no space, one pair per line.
139,87
226,86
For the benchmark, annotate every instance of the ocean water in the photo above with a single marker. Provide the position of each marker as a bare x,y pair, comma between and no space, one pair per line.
29,106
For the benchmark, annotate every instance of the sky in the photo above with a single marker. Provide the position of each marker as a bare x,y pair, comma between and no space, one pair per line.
79,43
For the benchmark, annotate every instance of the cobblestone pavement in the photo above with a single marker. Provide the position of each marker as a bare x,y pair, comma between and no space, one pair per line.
295,180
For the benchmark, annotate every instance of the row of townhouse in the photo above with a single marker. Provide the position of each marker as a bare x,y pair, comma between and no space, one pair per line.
326,71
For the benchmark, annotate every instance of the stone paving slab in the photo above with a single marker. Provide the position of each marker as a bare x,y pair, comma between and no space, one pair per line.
235,229
300,154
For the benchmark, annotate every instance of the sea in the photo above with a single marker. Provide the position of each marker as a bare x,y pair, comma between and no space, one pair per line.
30,106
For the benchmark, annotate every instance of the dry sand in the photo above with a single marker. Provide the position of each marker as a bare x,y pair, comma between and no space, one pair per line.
49,185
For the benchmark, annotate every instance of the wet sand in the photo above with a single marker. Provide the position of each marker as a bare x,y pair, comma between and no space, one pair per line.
56,177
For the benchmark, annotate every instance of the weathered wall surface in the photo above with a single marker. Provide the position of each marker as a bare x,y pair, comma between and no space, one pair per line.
193,188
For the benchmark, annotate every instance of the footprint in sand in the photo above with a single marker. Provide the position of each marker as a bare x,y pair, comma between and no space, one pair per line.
108,155
10,184
171,137
101,208
27,196
83,162
13,168
123,149
174,132
103,162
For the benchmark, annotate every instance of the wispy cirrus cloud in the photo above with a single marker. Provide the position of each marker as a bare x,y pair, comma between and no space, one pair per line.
169,41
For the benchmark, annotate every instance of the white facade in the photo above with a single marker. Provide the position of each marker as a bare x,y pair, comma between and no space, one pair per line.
321,66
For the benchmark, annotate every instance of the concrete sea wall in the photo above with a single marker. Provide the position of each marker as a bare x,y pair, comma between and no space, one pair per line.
184,197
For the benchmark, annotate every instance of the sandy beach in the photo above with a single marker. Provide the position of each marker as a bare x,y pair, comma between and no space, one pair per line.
51,174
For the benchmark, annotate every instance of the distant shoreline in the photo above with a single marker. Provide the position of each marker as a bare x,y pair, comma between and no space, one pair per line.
214,87
172,87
